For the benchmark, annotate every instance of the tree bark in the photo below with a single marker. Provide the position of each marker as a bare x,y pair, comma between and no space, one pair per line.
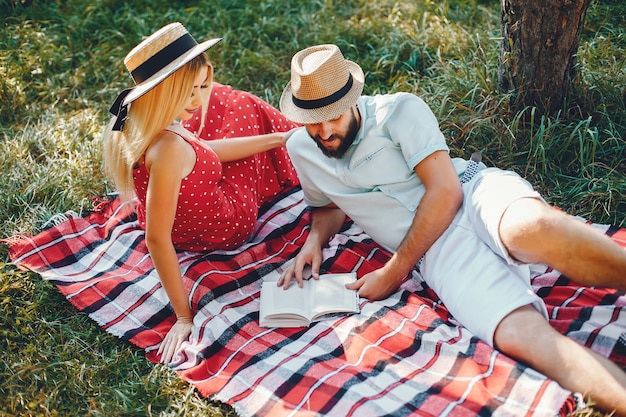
537,56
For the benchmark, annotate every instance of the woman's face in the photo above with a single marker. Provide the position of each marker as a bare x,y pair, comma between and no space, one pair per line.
198,94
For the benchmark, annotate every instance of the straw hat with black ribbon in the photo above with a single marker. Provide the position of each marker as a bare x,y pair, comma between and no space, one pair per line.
323,85
153,60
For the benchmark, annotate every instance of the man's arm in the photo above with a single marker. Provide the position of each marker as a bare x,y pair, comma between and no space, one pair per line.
436,210
325,222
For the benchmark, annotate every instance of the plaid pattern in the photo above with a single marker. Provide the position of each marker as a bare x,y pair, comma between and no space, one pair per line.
400,356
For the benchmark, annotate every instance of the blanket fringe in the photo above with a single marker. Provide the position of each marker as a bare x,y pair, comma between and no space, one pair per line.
573,404
57,219
97,203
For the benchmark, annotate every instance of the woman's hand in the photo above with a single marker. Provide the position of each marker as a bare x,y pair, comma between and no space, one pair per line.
234,149
174,339
287,135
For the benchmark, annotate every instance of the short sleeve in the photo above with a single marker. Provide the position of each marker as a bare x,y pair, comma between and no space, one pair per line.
413,126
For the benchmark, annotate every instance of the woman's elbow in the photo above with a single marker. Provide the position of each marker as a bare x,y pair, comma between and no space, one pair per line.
154,242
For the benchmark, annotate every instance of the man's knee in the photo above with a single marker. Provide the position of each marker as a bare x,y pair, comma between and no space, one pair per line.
521,332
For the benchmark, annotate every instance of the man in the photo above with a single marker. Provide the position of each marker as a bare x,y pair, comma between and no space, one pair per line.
383,161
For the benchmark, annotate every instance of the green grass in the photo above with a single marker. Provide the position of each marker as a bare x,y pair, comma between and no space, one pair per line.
61,67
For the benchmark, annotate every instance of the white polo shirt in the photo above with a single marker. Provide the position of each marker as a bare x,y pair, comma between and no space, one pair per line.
375,183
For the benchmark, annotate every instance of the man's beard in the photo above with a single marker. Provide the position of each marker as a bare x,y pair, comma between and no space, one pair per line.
345,140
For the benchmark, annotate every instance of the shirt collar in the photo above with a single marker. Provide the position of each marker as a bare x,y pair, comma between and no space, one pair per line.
362,112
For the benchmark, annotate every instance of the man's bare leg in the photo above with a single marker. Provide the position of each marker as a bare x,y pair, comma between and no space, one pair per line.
534,232
525,335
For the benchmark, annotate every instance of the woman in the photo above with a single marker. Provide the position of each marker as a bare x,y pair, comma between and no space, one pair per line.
192,194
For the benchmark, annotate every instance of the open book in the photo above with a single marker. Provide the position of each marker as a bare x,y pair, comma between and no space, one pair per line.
316,300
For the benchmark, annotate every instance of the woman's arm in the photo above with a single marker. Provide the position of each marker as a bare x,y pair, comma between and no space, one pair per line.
167,160
233,149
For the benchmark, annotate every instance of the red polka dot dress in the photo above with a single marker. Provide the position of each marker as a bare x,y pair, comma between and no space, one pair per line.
218,203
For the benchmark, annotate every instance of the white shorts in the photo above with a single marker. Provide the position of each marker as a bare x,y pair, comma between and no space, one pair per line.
468,266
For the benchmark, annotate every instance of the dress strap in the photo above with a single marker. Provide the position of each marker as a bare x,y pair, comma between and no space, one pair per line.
181,131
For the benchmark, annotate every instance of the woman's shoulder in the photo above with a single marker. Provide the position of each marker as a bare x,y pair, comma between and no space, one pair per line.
177,129
169,146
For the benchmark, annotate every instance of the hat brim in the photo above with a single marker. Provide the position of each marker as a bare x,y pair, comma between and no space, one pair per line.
141,89
330,112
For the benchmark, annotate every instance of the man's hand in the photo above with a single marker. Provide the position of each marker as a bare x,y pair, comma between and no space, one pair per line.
376,285
435,212
310,254
174,339
325,222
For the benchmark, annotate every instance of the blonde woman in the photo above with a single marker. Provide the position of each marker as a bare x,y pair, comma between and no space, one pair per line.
192,194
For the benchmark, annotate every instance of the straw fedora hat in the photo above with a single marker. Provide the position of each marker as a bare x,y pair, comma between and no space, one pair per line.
323,85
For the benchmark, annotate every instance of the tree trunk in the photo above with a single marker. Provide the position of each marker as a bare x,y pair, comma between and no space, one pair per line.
537,55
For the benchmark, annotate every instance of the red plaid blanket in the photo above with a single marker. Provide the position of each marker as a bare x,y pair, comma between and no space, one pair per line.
401,356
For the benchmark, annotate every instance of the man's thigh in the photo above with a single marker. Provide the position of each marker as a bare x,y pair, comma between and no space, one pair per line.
478,287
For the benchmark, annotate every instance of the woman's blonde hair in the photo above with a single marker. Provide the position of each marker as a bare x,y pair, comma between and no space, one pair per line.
148,115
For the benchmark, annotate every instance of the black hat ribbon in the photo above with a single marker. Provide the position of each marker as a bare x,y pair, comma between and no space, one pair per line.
119,110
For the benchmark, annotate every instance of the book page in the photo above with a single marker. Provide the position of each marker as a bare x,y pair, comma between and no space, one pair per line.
329,295
317,299
277,301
